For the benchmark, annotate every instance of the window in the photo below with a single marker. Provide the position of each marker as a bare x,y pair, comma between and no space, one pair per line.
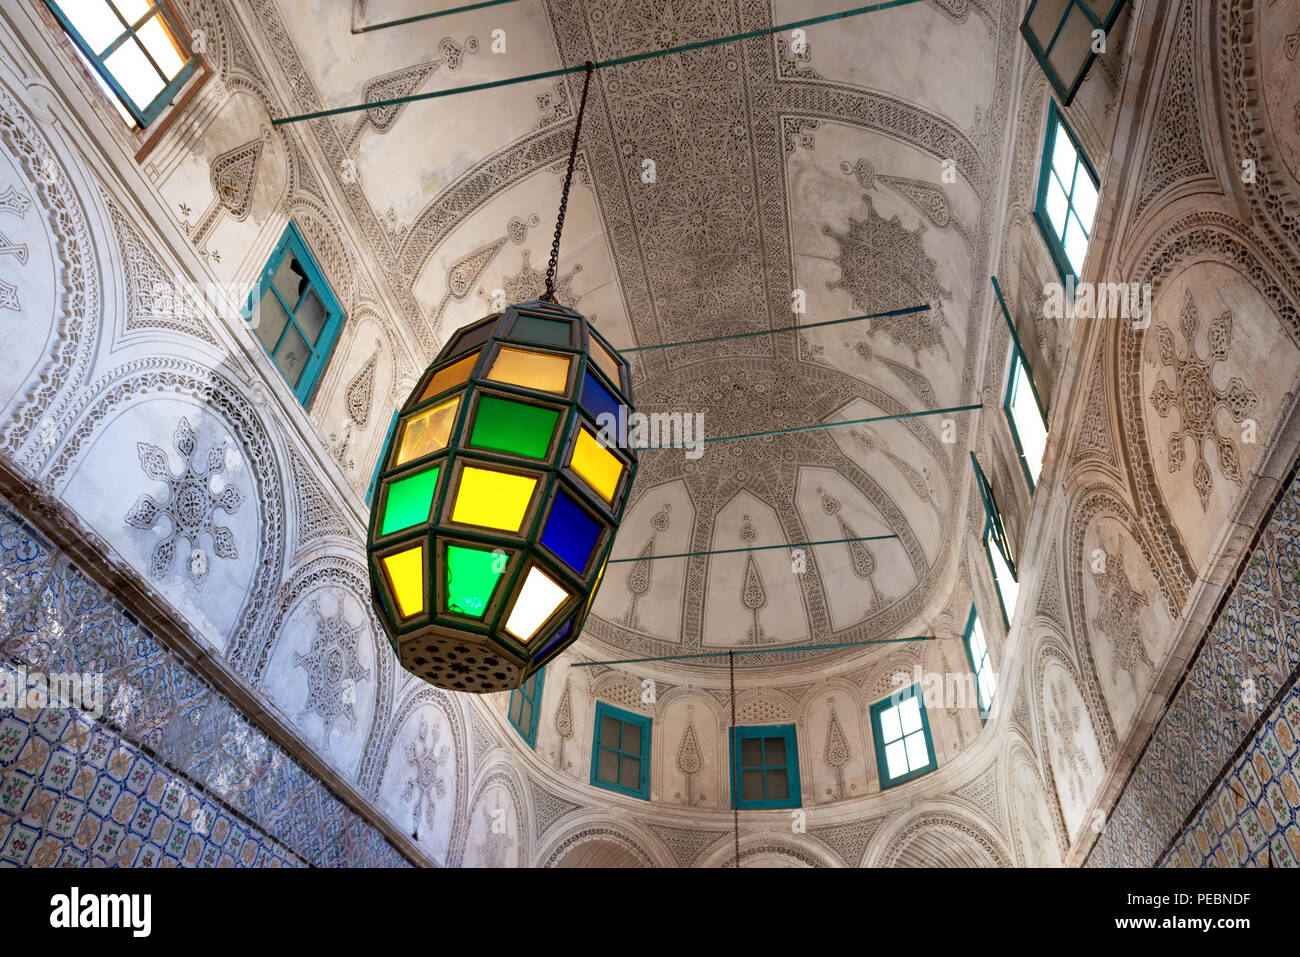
379,462
977,650
1060,35
525,706
294,314
1067,196
902,735
765,767
136,48
1022,406
621,754
997,548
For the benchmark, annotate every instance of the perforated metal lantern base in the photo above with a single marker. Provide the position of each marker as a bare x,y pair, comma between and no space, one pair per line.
498,497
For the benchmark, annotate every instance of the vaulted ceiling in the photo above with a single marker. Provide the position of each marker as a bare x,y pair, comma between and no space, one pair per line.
861,170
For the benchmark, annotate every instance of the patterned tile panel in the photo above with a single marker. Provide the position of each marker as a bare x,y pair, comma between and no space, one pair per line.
1252,651
171,775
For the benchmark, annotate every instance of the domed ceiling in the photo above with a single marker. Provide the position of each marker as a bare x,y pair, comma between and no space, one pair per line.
714,189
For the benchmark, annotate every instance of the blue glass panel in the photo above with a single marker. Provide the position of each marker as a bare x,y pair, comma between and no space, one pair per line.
562,635
571,533
597,400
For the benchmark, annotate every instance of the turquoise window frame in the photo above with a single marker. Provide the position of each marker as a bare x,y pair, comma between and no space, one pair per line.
146,113
379,462
879,742
1042,54
994,532
1009,397
292,243
977,667
794,793
1056,244
531,692
603,710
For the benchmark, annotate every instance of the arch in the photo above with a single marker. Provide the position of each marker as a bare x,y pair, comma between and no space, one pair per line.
939,835
134,380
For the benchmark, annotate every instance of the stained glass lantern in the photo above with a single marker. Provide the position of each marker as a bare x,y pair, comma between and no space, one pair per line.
498,497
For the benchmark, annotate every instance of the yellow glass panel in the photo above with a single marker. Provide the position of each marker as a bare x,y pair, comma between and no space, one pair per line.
532,370
597,464
492,499
537,601
405,572
596,587
427,432
453,375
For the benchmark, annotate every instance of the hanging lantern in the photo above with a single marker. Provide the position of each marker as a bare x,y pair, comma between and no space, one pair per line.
498,498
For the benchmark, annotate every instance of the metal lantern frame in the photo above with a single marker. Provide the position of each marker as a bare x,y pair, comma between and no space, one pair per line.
477,653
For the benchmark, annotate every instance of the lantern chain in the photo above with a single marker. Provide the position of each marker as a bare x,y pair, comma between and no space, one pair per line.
549,294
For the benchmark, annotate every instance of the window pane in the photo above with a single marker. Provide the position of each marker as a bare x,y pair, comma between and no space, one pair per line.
1076,244
131,10
1064,157
1084,199
292,356
985,688
515,700
977,639
917,754
752,785
133,70
525,713
889,726
1029,423
607,769
310,316
774,755
896,759
157,39
94,21
1056,204
1008,587
289,280
631,739
631,776
751,752
909,714
777,787
609,731
268,320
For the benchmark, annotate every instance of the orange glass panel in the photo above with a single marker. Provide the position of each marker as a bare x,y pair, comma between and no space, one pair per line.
452,376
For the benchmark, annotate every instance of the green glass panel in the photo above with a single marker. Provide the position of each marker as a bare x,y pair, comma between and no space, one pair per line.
514,427
552,332
472,576
409,501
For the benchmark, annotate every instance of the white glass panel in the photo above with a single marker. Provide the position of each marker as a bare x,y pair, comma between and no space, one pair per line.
889,727
539,597
1029,423
292,356
1076,244
896,759
918,756
95,22
1085,199
1056,204
985,688
157,40
909,713
133,70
